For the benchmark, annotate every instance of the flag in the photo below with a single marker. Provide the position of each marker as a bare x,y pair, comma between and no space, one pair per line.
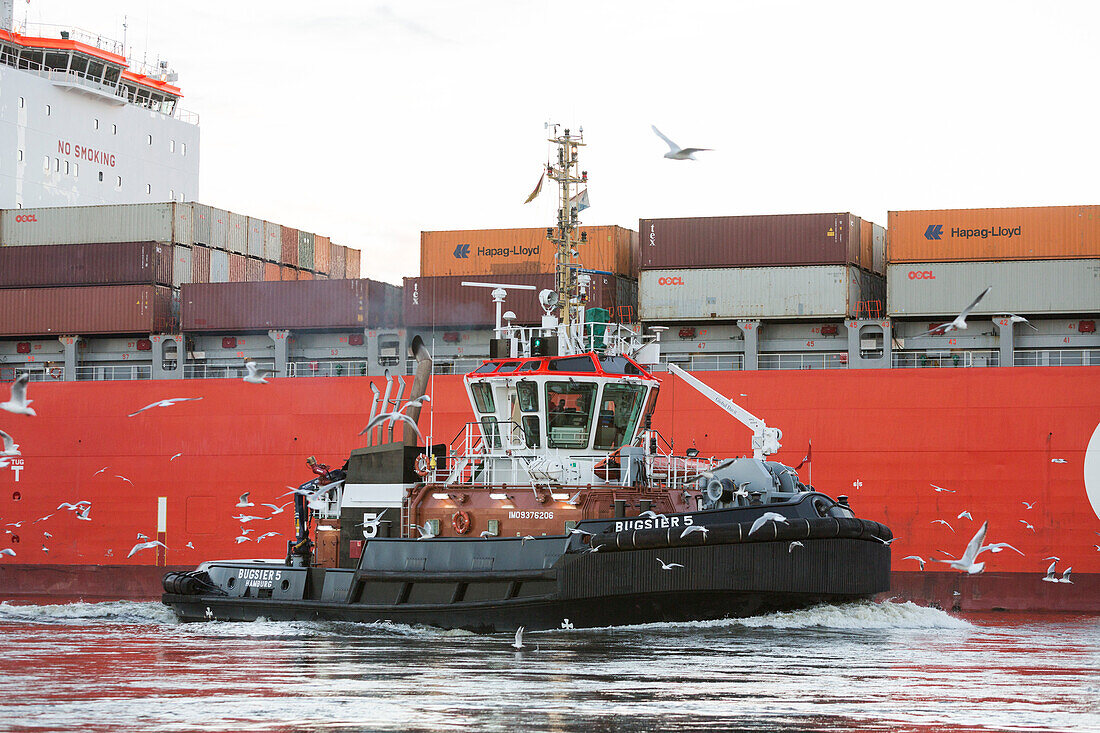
538,189
580,201
809,449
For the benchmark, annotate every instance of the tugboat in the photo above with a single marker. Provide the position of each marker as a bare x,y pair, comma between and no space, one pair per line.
558,506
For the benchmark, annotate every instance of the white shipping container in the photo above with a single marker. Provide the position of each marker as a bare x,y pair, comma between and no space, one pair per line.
273,242
255,237
219,266
1023,287
95,224
878,249
219,228
181,265
755,292
238,233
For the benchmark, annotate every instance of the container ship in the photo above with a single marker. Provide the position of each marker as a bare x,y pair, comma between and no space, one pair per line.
116,296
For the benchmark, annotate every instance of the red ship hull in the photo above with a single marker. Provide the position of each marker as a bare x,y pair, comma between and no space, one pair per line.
994,438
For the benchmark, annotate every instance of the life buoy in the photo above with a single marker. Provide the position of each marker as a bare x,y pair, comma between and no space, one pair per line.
461,522
422,468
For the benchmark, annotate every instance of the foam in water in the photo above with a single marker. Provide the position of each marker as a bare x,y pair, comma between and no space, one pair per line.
114,612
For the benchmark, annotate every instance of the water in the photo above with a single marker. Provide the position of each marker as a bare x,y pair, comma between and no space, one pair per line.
893,667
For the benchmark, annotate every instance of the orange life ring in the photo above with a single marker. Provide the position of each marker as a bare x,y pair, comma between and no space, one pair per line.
461,522
422,467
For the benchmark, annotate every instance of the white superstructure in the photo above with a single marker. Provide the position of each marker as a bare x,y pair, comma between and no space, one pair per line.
79,126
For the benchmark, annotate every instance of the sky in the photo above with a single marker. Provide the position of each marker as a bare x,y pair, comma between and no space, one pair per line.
370,122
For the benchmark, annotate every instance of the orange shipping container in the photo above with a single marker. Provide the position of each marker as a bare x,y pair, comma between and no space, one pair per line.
305,275
482,252
866,244
351,271
963,235
322,250
271,272
288,273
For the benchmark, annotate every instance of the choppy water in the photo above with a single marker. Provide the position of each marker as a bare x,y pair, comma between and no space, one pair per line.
891,667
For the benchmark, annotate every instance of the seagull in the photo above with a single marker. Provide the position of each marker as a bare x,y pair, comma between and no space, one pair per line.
1065,576
245,518
1055,558
125,479
8,551
189,546
966,515
243,501
242,538
73,507
960,320
164,403
997,547
692,528
944,523
246,531
146,546
17,525
11,448
277,509
966,562
518,643
266,535
368,522
1058,460
1049,577
940,489
255,374
675,152
18,402
426,532
576,530
82,514
886,542
487,533
100,471
174,457
140,536
1026,525
398,415
1028,506
576,497
796,543
524,540
1013,318
668,565
303,492
918,558
765,518
47,535
649,513
42,519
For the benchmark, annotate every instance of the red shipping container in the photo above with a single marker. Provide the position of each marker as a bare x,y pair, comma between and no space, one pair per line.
304,304
287,273
322,252
108,309
289,250
200,264
238,268
57,265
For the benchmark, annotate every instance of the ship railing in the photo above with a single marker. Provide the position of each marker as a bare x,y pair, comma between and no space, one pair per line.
35,373
88,38
934,359
79,77
314,368
113,372
705,362
809,360
1057,357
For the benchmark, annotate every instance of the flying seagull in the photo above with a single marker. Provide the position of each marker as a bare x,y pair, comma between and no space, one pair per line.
796,543
675,152
242,538
960,320
966,515
100,471
518,643
917,558
668,565
1013,318
19,402
940,489
944,523
886,542
1058,460
765,518
164,403
8,551
266,535
73,507
146,546
141,536
255,374
650,514
1028,506
523,541
1049,577
11,448
189,546
245,518
277,509
125,479
42,519
692,528
378,419
1026,525
997,547
82,514
174,457
966,562
243,501
426,532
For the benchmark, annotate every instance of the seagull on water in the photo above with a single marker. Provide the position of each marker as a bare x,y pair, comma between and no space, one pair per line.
19,402
675,152
693,528
164,403
668,565
255,374
940,489
944,523
146,546
11,448
518,643
243,501
796,543
966,562
1026,525
960,320
918,558
765,518
965,515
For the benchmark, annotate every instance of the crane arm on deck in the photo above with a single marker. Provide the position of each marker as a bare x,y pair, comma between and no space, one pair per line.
765,440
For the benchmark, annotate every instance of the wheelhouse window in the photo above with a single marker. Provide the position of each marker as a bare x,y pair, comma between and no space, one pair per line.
569,413
491,430
531,431
620,407
571,364
483,397
530,366
528,393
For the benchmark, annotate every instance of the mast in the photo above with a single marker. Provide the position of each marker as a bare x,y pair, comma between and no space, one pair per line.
565,171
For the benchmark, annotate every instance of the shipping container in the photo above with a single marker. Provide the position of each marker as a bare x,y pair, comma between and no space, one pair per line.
271,272
1035,287
352,269
338,262
254,270
866,244
322,250
288,273
237,307
750,241
255,237
161,222
202,222
693,294
273,241
181,265
484,252
305,250
219,266
289,253
238,268
878,251
115,263
444,302
238,233
305,274
200,264
107,309
219,224
971,235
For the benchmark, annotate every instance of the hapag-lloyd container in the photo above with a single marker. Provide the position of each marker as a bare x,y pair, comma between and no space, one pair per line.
750,241
443,302
701,294
108,309
483,252
159,222
1023,287
303,304
970,235
115,263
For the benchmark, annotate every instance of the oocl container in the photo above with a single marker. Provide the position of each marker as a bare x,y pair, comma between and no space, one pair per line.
116,263
962,235
750,241
108,309
159,222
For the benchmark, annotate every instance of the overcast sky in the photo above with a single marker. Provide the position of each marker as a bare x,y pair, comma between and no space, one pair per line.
370,122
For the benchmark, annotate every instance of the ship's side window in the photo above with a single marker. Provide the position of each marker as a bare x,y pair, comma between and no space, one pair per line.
114,129
57,165
101,176
76,170
171,146
569,413
491,430
46,164
21,103
95,123
528,393
183,148
148,188
66,167
483,397
148,139
531,430
619,409
20,156
118,181
47,110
